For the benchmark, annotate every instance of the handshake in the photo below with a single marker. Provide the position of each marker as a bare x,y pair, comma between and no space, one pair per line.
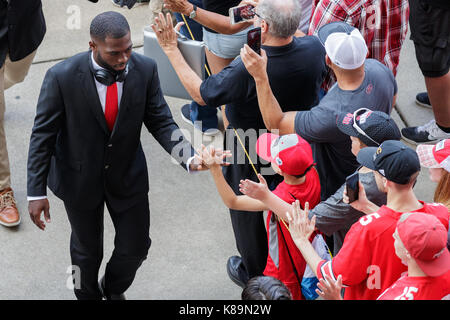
128,3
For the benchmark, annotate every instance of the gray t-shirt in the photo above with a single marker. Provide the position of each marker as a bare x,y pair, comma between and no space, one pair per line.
331,147
335,217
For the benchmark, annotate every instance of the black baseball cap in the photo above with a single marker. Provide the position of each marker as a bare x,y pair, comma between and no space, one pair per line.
374,126
332,27
392,159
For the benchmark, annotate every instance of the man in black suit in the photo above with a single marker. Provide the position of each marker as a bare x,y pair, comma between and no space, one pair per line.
85,145
22,28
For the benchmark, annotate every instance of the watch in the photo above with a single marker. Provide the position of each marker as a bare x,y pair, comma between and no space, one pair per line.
193,14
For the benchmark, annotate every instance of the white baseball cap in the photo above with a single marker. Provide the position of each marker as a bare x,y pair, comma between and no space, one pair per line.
344,44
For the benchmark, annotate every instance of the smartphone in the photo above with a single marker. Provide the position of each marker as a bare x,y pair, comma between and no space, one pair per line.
352,185
241,13
254,39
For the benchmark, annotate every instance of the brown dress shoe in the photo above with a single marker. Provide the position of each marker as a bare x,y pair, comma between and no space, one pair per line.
9,215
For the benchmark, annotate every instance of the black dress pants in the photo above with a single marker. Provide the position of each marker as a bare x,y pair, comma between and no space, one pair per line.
131,245
248,227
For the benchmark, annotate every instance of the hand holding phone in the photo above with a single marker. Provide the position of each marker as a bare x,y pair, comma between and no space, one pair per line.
241,14
352,186
254,39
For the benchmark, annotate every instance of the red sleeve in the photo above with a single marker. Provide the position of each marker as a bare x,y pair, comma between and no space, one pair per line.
353,259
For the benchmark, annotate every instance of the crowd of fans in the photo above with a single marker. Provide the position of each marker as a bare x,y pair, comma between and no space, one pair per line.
323,88
329,94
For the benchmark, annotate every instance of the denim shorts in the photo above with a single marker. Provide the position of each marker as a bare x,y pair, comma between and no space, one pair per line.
226,46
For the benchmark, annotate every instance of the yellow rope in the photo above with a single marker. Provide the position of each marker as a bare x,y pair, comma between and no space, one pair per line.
246,153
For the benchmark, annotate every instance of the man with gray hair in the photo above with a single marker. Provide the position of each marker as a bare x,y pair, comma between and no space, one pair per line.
296,67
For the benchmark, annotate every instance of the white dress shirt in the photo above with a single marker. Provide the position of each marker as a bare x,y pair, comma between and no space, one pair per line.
101,89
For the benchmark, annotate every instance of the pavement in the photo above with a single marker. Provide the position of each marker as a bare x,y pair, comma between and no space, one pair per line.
191,231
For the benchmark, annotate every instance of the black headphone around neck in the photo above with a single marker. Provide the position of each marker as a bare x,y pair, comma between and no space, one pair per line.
108,77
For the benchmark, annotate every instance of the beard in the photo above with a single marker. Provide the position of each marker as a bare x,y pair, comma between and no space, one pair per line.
105,65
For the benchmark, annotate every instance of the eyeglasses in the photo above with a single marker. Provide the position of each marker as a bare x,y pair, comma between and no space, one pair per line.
357,113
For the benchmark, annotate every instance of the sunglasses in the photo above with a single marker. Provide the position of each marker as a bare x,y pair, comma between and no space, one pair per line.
357,113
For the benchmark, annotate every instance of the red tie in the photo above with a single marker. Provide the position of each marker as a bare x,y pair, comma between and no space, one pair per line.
111,105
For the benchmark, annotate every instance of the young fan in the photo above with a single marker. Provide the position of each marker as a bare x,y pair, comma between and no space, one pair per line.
291,157
367,261
419,241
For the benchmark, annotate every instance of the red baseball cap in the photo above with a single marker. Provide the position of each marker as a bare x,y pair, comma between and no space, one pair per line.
435,156
290,152
425,238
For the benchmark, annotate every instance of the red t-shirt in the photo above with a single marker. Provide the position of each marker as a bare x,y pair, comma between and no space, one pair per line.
367,260
419,288
279,264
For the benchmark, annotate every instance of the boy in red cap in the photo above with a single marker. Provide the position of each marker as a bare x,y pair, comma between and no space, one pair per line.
291,157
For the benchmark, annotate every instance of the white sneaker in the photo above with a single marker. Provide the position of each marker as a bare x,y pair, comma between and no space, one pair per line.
428,133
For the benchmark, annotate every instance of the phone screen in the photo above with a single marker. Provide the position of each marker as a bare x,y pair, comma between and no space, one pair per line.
254,39
241,14
352,186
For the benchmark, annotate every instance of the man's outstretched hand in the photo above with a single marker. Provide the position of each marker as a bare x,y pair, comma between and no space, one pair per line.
205,159
165,33
36,208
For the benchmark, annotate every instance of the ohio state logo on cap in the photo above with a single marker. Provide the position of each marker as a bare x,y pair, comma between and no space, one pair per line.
278,161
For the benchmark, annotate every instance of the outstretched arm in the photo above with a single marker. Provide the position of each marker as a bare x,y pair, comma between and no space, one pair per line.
274,117
212,159
212,20
167,39
260,191
301,229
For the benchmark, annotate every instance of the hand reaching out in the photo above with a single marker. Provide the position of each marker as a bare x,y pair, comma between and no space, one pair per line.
300,227
254,190
329,289
165,33
212,157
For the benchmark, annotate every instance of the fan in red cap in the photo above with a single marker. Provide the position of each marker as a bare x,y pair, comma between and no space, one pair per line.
420,242
291,153
291,157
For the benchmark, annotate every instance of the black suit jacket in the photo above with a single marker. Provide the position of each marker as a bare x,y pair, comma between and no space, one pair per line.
26,27
71,145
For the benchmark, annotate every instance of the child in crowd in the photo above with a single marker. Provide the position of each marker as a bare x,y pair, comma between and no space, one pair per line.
367,260
334,217
291,157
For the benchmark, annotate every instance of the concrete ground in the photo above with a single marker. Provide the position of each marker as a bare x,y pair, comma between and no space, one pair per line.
190,227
